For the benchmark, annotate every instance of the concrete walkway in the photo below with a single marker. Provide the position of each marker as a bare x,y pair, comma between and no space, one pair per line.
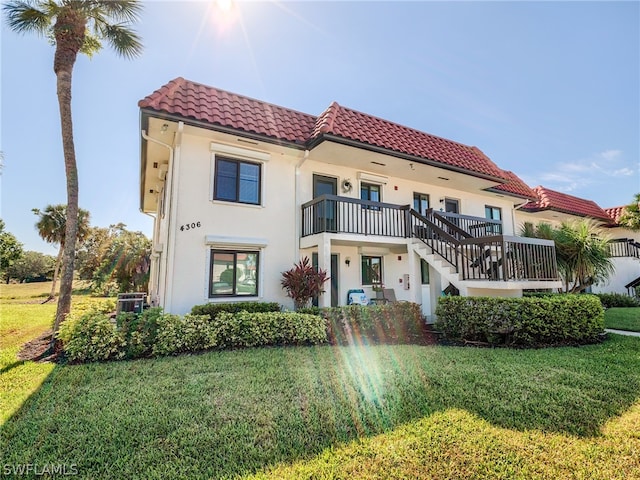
622,332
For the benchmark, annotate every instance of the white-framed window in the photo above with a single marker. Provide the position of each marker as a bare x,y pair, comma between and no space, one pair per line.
371,270
234,273
237,175
237,181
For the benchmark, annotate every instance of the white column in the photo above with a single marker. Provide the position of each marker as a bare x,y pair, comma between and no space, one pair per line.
324,263
415,283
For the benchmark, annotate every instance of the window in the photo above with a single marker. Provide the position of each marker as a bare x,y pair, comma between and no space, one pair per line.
451,205
421,203
371,192
424,272
371,270
237,181
233,273
493,213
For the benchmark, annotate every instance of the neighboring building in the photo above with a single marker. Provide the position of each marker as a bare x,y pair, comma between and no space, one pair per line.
557,207
241,189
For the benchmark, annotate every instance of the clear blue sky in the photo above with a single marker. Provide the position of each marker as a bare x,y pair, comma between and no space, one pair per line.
549,90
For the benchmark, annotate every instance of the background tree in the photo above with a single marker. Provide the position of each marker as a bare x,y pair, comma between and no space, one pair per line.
582,252
33,266
52,227
10,250
74,26
630,217
124,262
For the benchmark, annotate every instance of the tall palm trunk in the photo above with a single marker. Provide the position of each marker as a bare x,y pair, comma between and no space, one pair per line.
69,32
56,271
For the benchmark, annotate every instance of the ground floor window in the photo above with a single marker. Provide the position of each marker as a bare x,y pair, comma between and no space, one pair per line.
233,273
424,272
371,270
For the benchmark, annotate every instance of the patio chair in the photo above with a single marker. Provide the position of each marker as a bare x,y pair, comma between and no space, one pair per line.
386,295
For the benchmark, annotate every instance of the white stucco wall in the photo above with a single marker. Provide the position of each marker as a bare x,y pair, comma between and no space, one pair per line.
273,227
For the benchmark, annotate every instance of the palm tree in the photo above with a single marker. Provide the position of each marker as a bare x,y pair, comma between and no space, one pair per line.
582,252
631,215
74,26
52,225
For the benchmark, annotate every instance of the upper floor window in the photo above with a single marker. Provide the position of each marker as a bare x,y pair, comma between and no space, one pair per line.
371,192
237,181
421,203
493,213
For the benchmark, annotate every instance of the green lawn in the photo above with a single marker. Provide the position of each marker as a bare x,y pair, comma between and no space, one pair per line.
623,319
336,412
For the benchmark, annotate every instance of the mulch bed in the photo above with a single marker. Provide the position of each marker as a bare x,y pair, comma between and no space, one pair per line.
37,350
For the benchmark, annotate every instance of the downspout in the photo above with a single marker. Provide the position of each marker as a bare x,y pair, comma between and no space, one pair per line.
298,207
153,295
513,214
166,243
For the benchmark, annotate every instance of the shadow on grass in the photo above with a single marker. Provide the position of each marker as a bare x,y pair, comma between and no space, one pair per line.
222,414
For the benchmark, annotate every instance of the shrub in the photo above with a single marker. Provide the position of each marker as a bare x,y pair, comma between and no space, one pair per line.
531,322
179,334
215,309
398,322
139,331
611,300
250,329
303,282
91,337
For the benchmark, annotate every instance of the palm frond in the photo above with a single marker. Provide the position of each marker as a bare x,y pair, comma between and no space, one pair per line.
119,11
24,16
122,39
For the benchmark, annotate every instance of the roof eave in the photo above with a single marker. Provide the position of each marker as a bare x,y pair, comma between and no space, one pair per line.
314,142
222,129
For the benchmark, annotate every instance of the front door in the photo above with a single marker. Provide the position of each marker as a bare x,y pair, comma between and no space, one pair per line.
325,212
334,278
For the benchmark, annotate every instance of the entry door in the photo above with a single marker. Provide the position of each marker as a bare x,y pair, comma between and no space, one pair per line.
325,213
334,277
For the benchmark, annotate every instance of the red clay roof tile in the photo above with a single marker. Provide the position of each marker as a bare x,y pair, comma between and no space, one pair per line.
615,212
561,202
211,105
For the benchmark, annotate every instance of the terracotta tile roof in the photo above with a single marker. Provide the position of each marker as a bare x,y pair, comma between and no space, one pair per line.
561,202
353,125
615,212
192,100
515,186
211,105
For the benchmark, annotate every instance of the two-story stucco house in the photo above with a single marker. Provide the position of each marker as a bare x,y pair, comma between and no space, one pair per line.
241,189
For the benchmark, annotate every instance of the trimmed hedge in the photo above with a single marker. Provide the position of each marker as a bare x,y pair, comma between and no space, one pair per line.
398,322
530,322
611,300
215,309
94,336
181,334
246,329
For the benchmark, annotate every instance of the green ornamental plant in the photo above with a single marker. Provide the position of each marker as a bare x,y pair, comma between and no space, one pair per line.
303,282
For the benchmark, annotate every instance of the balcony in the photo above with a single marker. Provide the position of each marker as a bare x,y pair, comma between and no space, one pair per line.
474,247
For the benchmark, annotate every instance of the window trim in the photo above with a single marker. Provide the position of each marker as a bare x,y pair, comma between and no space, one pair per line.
234,294
362,278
